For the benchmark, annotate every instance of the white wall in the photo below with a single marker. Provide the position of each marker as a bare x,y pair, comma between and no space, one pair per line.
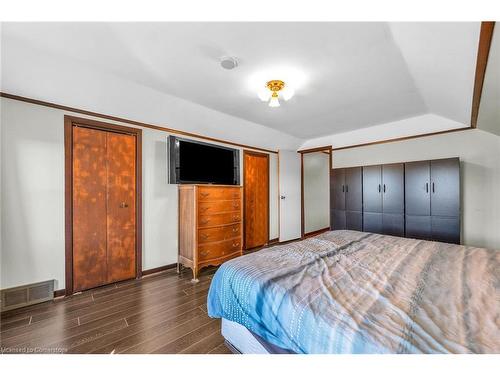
479,154
32,196
316,191
417,125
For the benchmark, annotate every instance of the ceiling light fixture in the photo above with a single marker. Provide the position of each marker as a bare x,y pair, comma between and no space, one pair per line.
272,92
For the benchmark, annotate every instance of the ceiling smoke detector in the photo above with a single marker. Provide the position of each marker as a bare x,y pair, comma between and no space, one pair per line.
228,62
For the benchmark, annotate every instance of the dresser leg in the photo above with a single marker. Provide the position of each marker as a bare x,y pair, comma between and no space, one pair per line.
195,275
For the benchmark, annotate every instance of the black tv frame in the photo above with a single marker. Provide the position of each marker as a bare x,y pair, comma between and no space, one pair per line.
174,162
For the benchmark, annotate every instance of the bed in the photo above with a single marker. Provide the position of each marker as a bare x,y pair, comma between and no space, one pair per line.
356,292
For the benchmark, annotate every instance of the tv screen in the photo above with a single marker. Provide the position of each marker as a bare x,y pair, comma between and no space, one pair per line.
198,162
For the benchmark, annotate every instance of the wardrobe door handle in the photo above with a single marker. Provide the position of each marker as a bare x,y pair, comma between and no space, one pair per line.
433,190
347,188
379,188
384,188
426,187
343,189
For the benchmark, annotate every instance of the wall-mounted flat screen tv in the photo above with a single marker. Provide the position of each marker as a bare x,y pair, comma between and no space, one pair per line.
193,162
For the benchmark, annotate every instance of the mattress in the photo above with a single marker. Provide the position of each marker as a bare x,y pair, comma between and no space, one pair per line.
246,342
354,292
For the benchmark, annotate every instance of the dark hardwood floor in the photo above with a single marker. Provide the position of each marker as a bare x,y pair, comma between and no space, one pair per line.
161,313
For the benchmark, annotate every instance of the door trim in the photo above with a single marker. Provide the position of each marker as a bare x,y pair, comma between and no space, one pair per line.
69,124
260,154
326,150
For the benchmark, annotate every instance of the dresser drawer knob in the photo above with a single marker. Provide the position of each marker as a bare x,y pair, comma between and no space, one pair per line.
236,244
204,253
204,195
204,209
205,236
236,217
235,229
205,221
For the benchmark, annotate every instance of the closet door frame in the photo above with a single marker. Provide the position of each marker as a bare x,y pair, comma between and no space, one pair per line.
69,123
326,150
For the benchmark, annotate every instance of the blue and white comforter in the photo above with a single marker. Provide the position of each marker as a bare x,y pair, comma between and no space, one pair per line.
353,292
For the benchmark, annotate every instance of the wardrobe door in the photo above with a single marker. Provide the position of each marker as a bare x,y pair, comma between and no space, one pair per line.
337,188
337,199
89,208
372,199
393,188
354,198
354,189
445,200
417,200
121,206
417,188
393,199
372,188
445,187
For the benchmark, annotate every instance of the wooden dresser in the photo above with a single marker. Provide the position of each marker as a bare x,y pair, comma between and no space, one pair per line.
210,225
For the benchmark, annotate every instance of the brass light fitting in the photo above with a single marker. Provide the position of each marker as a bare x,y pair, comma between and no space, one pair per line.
275,86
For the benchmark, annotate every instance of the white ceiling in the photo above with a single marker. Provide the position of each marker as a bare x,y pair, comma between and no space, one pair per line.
353,75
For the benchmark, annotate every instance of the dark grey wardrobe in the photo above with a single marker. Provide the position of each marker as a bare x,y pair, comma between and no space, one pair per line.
346,199
416,199
383,199
433,200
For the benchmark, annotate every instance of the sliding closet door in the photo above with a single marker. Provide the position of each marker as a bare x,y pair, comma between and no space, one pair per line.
121,206
393,199
89,208
372,199
337,199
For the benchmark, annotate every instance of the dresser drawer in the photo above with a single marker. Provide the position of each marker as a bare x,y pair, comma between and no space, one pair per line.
215,250
218,219
218,206
215,193
219,233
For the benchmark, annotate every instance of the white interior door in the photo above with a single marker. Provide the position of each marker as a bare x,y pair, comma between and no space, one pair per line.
289,186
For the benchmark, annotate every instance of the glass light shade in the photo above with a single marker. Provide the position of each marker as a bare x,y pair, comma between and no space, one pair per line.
287,93
274,102
264,94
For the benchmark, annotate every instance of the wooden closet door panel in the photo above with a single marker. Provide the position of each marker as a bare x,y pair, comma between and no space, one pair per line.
417,188
354,189
445,187
121,206
337,189
256,203
372,189
393,188
89,208
337,219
